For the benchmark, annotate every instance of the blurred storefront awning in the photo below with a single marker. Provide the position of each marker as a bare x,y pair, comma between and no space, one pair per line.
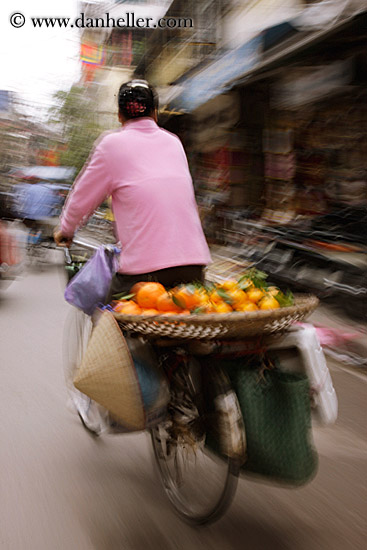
212,80
167,94
268,50
44,173
308,84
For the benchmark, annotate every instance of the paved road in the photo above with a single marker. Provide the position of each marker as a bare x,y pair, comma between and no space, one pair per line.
62,490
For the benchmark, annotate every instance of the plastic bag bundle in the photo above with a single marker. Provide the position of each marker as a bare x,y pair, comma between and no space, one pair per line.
89,287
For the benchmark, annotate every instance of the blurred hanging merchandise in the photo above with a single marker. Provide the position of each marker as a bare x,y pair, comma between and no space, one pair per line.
309,84
92,55
214,120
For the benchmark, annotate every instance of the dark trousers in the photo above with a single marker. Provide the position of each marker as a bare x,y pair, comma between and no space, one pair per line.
169,277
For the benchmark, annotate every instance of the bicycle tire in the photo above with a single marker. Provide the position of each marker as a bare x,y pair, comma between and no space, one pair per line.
77,331
185,511
203,487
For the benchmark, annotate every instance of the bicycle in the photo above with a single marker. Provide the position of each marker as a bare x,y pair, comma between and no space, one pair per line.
198,475
182,457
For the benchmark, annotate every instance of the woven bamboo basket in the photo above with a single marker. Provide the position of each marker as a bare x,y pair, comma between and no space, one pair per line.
236,325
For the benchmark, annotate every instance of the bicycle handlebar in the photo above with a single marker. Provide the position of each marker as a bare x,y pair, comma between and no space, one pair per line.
88,246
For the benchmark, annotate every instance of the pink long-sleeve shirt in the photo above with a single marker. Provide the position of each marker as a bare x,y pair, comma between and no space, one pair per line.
144,168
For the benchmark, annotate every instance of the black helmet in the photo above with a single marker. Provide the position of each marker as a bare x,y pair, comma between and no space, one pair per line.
137,99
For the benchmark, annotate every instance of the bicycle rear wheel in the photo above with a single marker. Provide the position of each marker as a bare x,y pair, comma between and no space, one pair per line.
199,483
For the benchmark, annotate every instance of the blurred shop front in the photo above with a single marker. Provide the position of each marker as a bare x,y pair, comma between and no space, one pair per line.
278,150
313,209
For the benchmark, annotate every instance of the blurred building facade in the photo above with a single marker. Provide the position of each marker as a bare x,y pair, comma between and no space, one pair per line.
109,55
270,102
245,72
23,142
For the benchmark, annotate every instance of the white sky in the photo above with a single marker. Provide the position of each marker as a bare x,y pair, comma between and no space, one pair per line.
36,62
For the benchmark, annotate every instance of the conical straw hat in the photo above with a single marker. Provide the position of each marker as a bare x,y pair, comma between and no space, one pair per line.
107,374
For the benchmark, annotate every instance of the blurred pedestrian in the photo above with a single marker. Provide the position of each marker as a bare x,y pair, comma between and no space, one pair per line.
36,204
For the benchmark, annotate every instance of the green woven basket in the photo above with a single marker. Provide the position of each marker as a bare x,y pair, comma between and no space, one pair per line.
276,410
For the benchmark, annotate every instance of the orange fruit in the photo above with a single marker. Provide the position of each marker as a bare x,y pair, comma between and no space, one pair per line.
207,307
149,311
222,307
204,296
148,294
229,284
215,298
187,296
128,307
135,288
165,303
255,294
248,306
269,302
238,297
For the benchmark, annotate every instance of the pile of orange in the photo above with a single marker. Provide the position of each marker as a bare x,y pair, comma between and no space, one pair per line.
232,296
154,299
249,293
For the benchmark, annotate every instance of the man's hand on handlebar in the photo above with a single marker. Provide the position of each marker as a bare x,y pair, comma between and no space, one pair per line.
61,240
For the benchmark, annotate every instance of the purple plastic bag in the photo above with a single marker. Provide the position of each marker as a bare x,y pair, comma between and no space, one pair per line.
89,287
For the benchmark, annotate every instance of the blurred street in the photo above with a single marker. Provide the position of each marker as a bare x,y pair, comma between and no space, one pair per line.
63,490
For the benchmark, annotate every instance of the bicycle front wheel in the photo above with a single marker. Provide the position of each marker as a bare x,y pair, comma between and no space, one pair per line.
77,331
